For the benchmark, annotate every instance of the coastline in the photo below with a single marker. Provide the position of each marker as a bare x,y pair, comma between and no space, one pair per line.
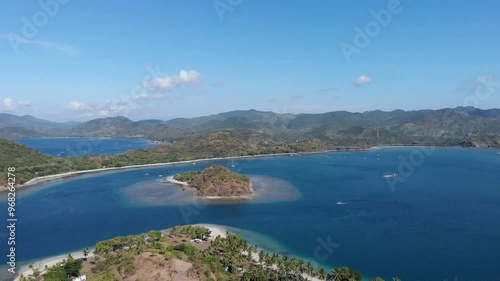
49,262
49,178
216,230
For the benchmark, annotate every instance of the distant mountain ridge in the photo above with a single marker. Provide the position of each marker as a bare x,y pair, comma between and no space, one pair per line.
464,126
32,123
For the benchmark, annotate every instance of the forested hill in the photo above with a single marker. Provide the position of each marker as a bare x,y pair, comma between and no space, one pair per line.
461,126
217,181
30,163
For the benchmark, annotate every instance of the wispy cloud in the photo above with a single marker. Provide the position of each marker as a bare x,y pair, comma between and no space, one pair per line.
327,90
296,97
170,83
146,96
122,106
16,40
218,84
11,105
362,80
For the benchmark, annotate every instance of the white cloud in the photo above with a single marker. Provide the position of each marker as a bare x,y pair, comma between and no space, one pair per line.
12,105
9,103
16,40
77,106
146,96
122,106
170,83
362,80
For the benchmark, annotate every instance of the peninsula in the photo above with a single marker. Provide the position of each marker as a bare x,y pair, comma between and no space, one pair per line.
215,182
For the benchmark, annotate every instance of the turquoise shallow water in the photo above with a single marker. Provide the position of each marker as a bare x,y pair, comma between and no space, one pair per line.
441,220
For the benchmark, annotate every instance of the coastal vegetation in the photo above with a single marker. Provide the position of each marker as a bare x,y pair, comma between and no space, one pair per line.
176,255
30,163
245,133
217,181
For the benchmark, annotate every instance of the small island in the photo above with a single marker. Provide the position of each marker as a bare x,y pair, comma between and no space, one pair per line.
215,182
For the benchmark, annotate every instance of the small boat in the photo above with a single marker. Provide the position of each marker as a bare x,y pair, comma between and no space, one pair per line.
340,203
391,175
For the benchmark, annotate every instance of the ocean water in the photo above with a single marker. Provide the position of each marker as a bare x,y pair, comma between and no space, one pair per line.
439,220
70,147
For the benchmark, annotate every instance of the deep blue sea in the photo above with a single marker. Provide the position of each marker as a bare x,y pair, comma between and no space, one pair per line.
439,220
70,147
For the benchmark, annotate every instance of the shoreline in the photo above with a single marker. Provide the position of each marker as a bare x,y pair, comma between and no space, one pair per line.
49,178
49,262
193,191
216,230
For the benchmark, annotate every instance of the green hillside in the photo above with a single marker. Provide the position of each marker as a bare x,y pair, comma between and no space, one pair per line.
30,163
217,181
170,255
461,126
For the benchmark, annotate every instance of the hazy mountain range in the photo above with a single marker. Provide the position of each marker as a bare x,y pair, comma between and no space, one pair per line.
464,126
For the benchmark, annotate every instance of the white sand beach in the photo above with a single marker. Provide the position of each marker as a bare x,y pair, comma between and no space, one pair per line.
43,179
49,262
216,230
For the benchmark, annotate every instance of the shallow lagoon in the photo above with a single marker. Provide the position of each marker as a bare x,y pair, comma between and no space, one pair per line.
439,223
159,193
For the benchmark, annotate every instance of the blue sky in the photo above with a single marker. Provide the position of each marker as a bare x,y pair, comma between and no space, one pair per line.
78,60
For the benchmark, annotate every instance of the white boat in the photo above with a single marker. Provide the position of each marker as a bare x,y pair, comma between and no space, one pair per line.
340,203
391,175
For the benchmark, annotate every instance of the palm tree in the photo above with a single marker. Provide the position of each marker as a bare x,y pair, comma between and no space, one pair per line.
321,273
309,268
261,257
344,274
86,252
